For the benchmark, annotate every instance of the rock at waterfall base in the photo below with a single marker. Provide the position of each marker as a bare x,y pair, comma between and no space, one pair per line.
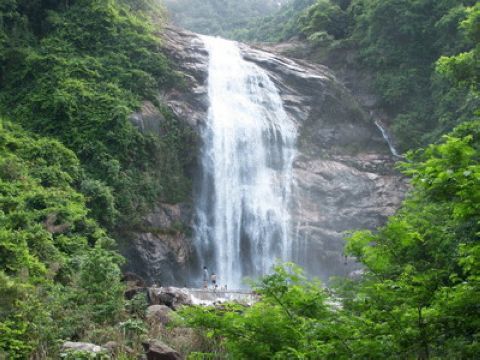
170,296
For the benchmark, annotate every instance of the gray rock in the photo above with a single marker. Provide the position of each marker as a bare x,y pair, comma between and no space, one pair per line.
82,346
172,297
111,346
187,51
148,119
157,350
344,176
133,280
159,314
159,249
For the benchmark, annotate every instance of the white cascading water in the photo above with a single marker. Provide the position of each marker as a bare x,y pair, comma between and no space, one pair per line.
248,150
387,138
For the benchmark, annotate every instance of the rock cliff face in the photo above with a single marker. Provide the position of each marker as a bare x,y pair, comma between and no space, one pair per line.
343,172
160,250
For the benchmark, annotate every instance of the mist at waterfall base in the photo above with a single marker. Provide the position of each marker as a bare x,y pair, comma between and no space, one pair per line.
242,201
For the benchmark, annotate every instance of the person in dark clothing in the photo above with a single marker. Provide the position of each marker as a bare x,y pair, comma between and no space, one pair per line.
213,278
205,277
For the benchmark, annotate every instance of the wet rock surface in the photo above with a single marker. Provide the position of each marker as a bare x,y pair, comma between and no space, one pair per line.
344,172
189,101
172,297
159,249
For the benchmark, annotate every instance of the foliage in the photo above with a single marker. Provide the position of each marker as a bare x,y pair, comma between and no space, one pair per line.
79,80
401,41
133,330
55,261
137,306
75,71
281,25
422,267
325,16
464,68
292,320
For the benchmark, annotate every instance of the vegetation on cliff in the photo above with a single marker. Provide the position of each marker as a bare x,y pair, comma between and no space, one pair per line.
76,70
55,261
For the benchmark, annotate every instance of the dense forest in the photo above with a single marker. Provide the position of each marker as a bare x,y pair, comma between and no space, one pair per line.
73,170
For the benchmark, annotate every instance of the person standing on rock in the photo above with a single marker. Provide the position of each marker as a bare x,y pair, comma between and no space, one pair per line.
205,277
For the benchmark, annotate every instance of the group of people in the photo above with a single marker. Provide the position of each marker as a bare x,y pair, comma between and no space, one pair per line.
213,279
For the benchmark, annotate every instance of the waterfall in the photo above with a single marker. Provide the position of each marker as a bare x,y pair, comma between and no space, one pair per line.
242,209
387,138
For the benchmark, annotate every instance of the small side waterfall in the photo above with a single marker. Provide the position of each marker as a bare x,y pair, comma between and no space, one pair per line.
243,222
387,138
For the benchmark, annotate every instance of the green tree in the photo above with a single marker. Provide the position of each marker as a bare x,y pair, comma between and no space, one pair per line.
327,17
464,68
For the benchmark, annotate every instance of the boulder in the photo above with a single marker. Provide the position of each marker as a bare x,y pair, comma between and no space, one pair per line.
111,346
170,296
133,280
159,314
157,350
82,346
